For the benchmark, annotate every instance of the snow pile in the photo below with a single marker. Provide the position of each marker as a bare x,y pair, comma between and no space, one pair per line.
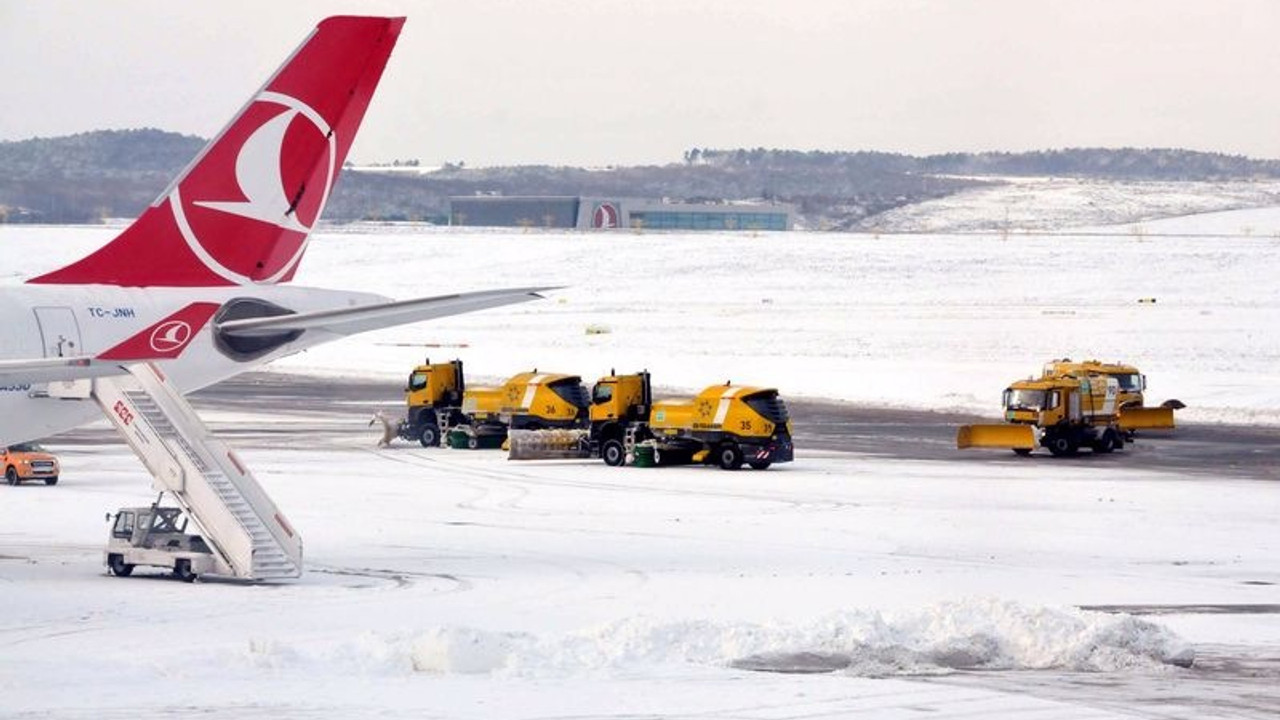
989,635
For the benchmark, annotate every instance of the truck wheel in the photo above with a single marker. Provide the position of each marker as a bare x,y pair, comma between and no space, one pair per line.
11,475
1062,446
1106,442
118,566
613,454
473,442
51,481
729,457
182,570
430,436
760,464
1022,451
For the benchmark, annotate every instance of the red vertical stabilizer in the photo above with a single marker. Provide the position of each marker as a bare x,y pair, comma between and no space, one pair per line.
242,210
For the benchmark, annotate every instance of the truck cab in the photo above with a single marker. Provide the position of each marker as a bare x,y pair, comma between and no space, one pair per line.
28,461
620,398
436,384
433,399
618,402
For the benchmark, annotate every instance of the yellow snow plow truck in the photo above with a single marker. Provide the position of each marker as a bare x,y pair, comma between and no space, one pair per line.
1062,414
726,425
438,401
1134,413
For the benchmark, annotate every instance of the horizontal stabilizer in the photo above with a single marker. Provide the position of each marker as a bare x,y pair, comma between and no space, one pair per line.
347,321
167,338
58,369
1006,437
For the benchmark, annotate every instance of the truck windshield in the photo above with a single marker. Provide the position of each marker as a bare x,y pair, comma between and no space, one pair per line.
602,393
1024,399
1129,383
572,391
124,525
417,381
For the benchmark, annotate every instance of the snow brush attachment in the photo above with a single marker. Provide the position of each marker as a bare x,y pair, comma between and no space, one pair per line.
548,444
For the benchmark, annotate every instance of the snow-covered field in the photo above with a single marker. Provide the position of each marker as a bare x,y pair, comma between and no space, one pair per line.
1054,203
918,321
458,585
921,321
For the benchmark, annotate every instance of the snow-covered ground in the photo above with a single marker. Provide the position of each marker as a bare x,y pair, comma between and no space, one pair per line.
454,584
1054,203
459,585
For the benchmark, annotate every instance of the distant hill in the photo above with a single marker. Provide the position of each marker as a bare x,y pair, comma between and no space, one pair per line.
1101,163
89,176
115,173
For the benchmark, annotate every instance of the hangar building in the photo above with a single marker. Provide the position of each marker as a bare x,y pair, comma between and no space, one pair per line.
601,213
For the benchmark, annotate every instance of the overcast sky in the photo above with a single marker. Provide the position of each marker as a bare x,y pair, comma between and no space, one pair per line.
600,82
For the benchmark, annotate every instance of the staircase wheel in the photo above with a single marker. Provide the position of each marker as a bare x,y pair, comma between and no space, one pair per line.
118,566
182,570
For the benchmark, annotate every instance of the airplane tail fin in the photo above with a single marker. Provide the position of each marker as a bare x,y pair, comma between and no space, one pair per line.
241,212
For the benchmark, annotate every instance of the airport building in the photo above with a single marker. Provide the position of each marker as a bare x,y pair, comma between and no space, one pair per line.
600,213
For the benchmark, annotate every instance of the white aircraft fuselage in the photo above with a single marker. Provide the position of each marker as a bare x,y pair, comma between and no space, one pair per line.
71,321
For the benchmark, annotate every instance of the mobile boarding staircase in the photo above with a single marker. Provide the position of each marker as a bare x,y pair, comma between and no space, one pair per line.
249,536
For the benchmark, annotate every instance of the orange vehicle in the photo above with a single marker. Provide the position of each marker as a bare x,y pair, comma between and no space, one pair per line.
29,461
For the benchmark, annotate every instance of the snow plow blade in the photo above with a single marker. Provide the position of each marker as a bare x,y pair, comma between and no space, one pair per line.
547,444
1006,436
1146,418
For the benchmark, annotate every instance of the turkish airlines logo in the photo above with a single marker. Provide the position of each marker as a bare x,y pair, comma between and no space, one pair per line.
605,216
248,206
165,339
170,337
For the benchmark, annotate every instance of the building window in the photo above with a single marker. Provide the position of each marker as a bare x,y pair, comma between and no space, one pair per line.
684,220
